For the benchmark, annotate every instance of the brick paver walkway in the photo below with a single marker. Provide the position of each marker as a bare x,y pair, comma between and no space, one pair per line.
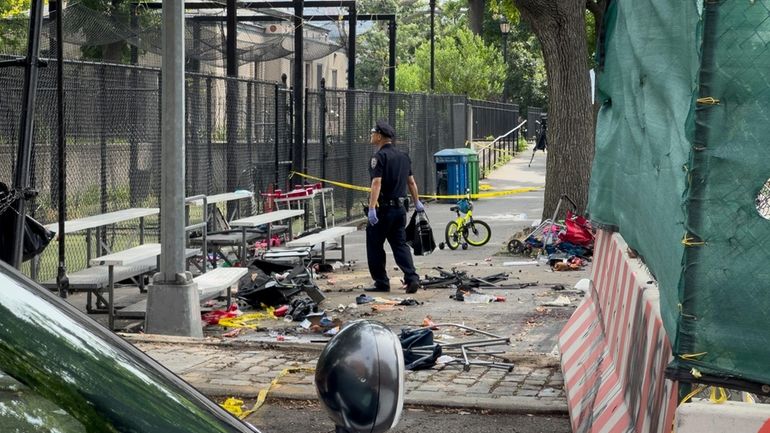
225,370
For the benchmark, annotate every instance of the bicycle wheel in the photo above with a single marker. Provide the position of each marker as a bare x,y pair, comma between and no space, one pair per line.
477,233
452,235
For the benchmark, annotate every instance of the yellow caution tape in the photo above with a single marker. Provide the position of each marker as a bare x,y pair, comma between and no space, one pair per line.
249,320
235,406
489,146
432,196
332,182
485,187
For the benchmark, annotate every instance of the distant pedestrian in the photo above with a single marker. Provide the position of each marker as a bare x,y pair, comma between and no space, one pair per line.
391,172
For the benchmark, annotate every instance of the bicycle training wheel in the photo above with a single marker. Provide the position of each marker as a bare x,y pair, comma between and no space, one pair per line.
477,233
452,235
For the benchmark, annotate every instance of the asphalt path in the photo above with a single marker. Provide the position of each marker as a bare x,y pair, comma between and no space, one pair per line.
308,417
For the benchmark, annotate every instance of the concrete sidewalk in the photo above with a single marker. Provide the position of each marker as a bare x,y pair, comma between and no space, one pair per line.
245,365
239,369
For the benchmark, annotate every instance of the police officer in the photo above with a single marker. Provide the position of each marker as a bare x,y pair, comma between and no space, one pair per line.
391,173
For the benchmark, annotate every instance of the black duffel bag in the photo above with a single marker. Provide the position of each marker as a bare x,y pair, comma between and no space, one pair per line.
419,234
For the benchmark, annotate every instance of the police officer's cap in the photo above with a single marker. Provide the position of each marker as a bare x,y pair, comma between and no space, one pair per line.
382,127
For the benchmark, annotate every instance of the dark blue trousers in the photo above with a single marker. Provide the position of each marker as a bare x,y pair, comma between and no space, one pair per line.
391,227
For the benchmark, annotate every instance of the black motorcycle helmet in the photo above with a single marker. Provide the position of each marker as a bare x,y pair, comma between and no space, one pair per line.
360,378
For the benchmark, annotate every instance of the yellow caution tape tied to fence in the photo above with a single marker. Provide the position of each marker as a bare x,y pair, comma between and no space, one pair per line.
490,194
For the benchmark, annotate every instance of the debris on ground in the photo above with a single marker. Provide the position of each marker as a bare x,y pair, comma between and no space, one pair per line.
561,262
280,287
561,301
422,352
213,317
521,263
427,322
583,285
474,296
363,299
460,279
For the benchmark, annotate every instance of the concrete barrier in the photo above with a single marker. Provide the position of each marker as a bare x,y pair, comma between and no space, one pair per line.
614,349
707,417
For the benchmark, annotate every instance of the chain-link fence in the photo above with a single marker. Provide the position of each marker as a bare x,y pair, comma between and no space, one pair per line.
113,142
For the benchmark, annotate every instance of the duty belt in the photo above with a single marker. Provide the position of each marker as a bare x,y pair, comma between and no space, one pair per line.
395,202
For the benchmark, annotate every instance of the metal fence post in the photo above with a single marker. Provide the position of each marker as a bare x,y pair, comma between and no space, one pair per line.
426,139
322,126
350,125
102,159
250,137
231,153
209,136
277,133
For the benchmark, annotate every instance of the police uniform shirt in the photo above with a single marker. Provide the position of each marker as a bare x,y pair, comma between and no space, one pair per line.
394,167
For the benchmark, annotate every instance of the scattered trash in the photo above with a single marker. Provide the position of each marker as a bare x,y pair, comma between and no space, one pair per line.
280,287
281,311
234,333
427,322
248,320
363,299
214,317
478,298
457,278
473,296
572,263
583,285
558,287
409,302
301,308
561,301
520,263
421,351
386,307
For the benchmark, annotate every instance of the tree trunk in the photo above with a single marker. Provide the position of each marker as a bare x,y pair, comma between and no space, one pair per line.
476,15
560,27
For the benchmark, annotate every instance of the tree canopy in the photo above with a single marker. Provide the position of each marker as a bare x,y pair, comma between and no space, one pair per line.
464,64
481,78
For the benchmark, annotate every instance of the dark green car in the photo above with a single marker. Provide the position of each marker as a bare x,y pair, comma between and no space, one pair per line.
60,372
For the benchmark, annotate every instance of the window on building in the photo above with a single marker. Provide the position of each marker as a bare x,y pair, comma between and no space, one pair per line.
307,75
334,78
319,74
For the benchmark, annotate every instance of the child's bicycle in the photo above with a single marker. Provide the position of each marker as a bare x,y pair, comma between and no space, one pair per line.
473,232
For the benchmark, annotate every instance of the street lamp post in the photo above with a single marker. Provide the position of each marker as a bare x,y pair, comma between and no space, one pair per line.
505,28
432,45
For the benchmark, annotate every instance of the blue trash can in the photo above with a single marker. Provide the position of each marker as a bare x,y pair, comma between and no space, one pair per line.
454,171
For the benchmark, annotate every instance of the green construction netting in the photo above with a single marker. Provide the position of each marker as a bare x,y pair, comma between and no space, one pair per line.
682,154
